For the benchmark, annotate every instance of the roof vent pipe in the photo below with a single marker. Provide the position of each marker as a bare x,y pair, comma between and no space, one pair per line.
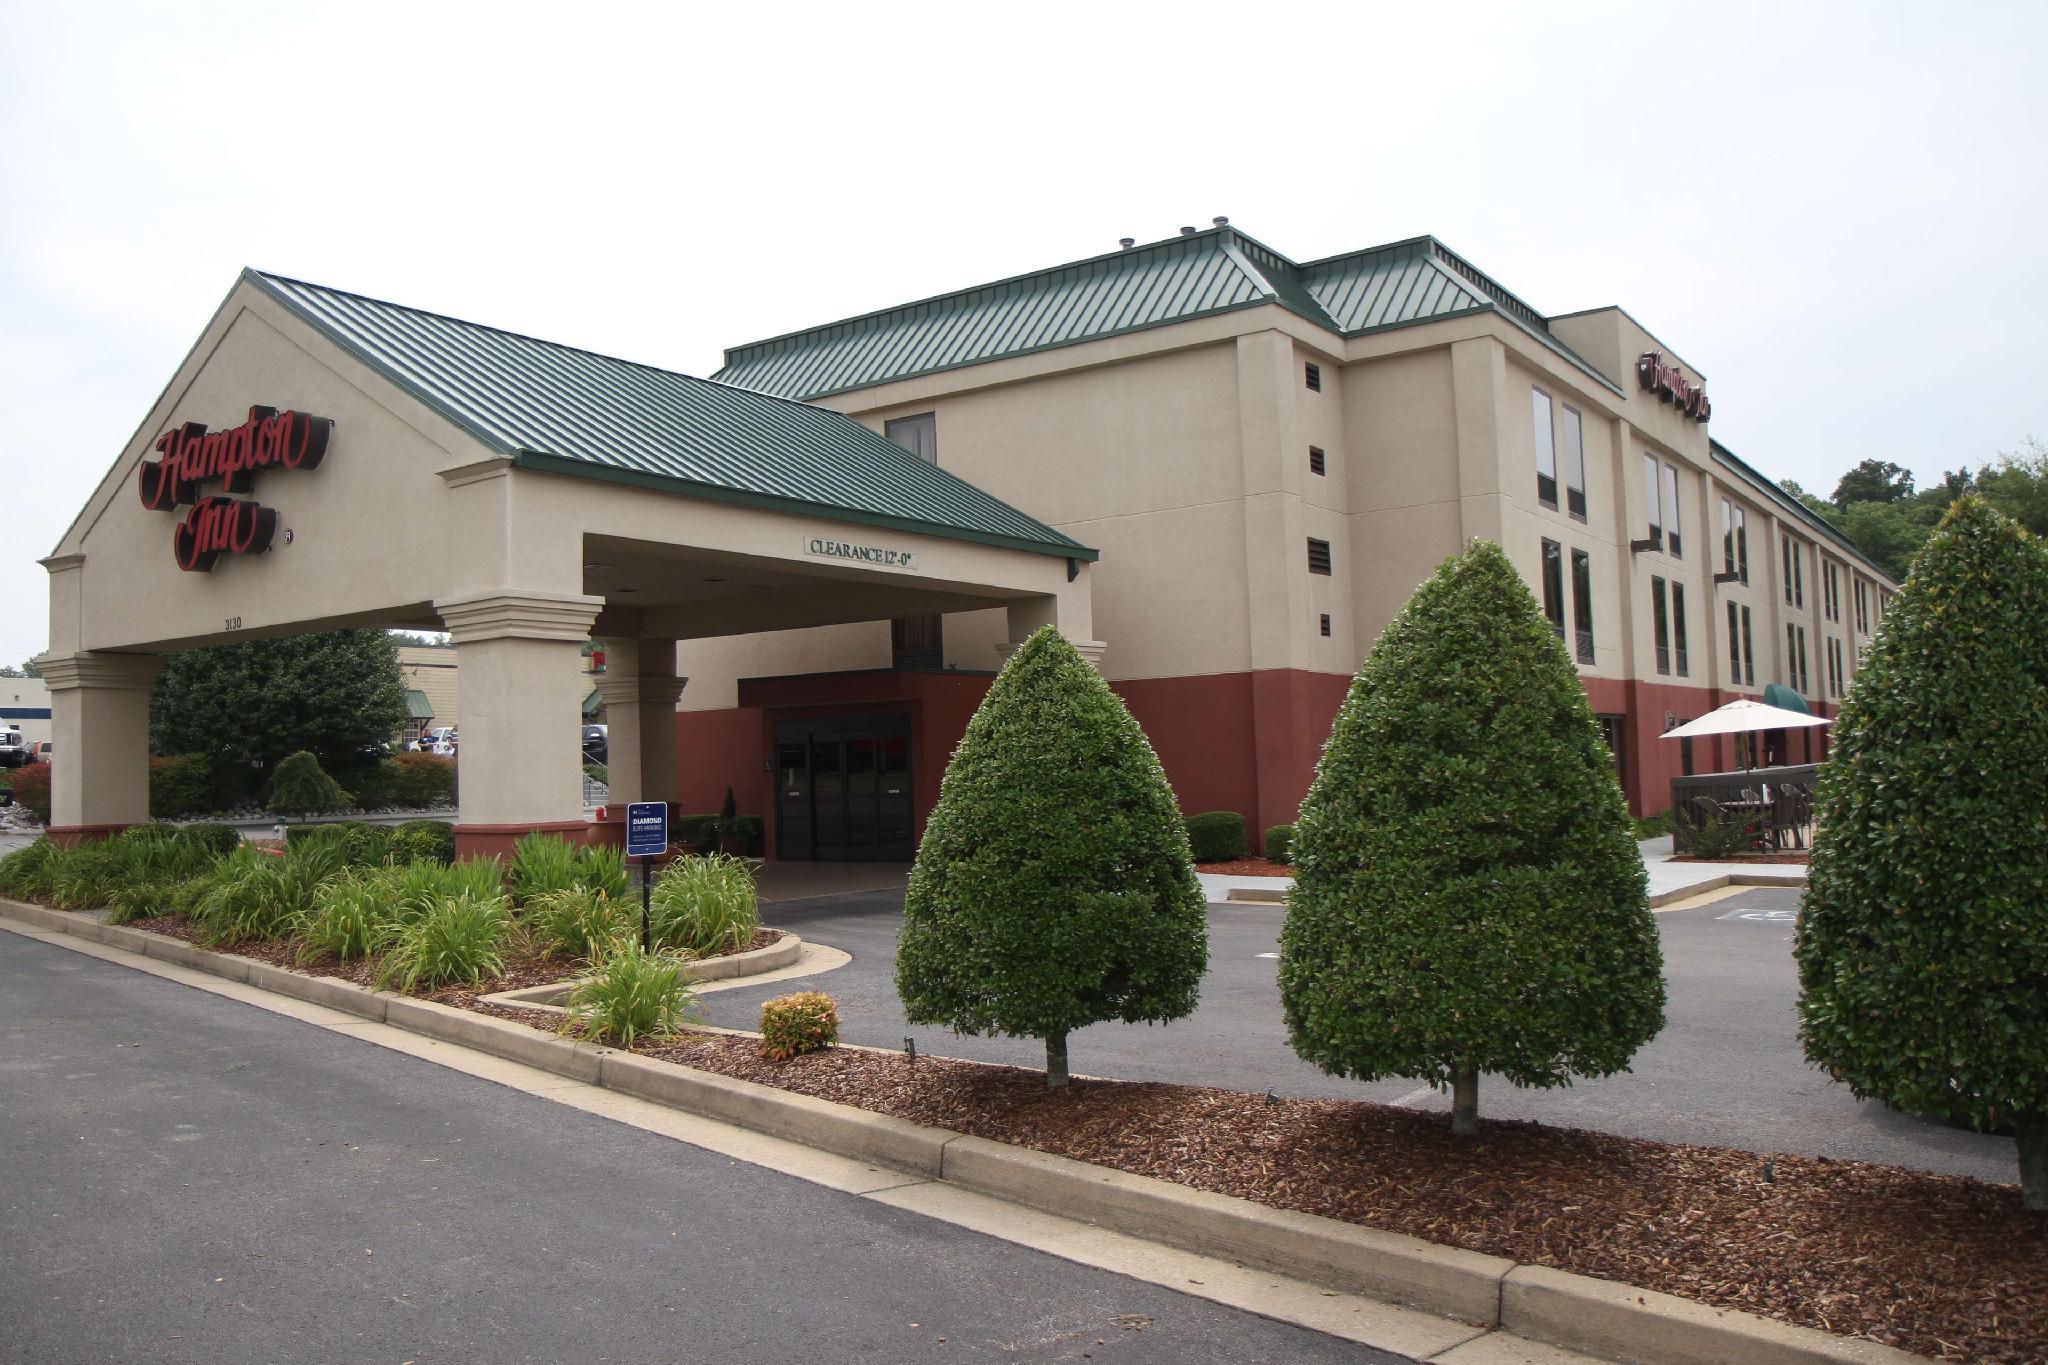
1187,232
1220,221
1127,242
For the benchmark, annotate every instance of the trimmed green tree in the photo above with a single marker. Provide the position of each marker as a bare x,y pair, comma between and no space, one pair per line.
301,788
336,694
1468,896
1923,940
1054,887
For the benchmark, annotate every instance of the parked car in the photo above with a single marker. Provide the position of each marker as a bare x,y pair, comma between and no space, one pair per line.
14,749
43,752
596,743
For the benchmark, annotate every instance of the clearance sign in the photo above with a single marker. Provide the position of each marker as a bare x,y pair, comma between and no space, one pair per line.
193,456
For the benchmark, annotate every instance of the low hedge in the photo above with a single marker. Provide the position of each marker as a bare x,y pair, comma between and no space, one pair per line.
180,785
1216,836
425,840
1280,844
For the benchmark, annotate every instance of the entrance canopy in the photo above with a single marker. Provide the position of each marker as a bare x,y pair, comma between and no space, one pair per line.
322,459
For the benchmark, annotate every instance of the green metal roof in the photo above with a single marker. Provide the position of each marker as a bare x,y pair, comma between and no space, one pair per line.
417,707
593,703
1191,276
1783,697
555,408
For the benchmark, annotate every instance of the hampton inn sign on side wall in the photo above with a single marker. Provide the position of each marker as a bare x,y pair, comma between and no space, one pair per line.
193,456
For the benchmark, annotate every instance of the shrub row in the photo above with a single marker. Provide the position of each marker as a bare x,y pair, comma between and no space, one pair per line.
1217,836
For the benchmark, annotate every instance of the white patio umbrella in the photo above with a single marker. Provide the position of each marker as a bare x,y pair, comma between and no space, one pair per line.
1741,716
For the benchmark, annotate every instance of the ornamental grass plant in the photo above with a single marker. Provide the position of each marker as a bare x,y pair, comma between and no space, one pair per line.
1054,887
632,995
1922,943
252,894
705,906
541,863
351,919
580,922
1468,896
460,939
603,869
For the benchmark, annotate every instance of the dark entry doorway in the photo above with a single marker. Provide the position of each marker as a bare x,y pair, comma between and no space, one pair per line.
842,789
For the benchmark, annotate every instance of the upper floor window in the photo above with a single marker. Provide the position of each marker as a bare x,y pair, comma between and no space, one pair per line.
919,435
1553,585
1582,603
1318,556
1661,621
1862,607
1748,651
1316,463
1651,502
1574,463
1831,592
1312,373
1671,541
1735,540
1678,627
1546,449
1795,574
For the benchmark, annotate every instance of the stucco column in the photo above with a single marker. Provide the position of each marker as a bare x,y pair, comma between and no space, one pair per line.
1068,613
640,690
99,732
521,754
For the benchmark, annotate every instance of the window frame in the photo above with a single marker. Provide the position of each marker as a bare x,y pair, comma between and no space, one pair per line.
1653,496
1679,659
1674,511
1553,587
1660,625
930,423
1582,606
1573,427
1748,651
1542,421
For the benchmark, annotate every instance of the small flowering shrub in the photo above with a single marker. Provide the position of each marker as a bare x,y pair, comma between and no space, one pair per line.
792,1025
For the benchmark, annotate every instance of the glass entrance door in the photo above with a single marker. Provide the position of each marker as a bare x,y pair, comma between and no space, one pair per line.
843,789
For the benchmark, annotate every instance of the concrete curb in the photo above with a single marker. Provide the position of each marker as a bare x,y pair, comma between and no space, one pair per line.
754,962
1792,880
1577,1312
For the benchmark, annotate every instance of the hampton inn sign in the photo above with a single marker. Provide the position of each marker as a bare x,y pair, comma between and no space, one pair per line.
193,456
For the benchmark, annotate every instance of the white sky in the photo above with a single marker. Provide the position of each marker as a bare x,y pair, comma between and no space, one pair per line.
1836,212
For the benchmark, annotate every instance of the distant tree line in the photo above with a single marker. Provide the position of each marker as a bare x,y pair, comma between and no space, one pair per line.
1877,506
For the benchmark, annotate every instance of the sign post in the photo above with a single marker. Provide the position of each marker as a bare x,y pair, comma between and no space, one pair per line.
646,839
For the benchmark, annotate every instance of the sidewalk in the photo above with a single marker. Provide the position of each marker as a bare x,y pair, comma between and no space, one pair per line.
1669,881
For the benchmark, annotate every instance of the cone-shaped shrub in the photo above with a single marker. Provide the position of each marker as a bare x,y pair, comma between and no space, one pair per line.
1923,941
1053,888
302,787
1468,896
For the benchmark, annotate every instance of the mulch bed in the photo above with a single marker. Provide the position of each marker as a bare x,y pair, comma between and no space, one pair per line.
1247,867
1944,1266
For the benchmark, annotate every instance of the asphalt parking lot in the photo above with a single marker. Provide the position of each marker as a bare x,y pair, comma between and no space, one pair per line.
1726,1071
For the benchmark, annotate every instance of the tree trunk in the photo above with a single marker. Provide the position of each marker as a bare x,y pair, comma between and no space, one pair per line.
2032,1132
1056,1061
1465,1103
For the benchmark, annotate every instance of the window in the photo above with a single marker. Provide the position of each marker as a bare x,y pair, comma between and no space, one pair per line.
1795,575
1650,481
1319,556
1582,603
1796,676
1546,449
1671,510
1735,540
1314,375
919,435
1862,607
1734,648
1748,652
1553,585
1316,463
1574,465
1678,627
1834,667
1660,616
1325,625
1831,592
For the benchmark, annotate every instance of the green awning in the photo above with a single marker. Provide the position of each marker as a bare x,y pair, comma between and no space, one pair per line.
1779,695
592,702
417,707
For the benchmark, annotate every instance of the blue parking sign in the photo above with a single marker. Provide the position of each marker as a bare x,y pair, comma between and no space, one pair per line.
646,829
